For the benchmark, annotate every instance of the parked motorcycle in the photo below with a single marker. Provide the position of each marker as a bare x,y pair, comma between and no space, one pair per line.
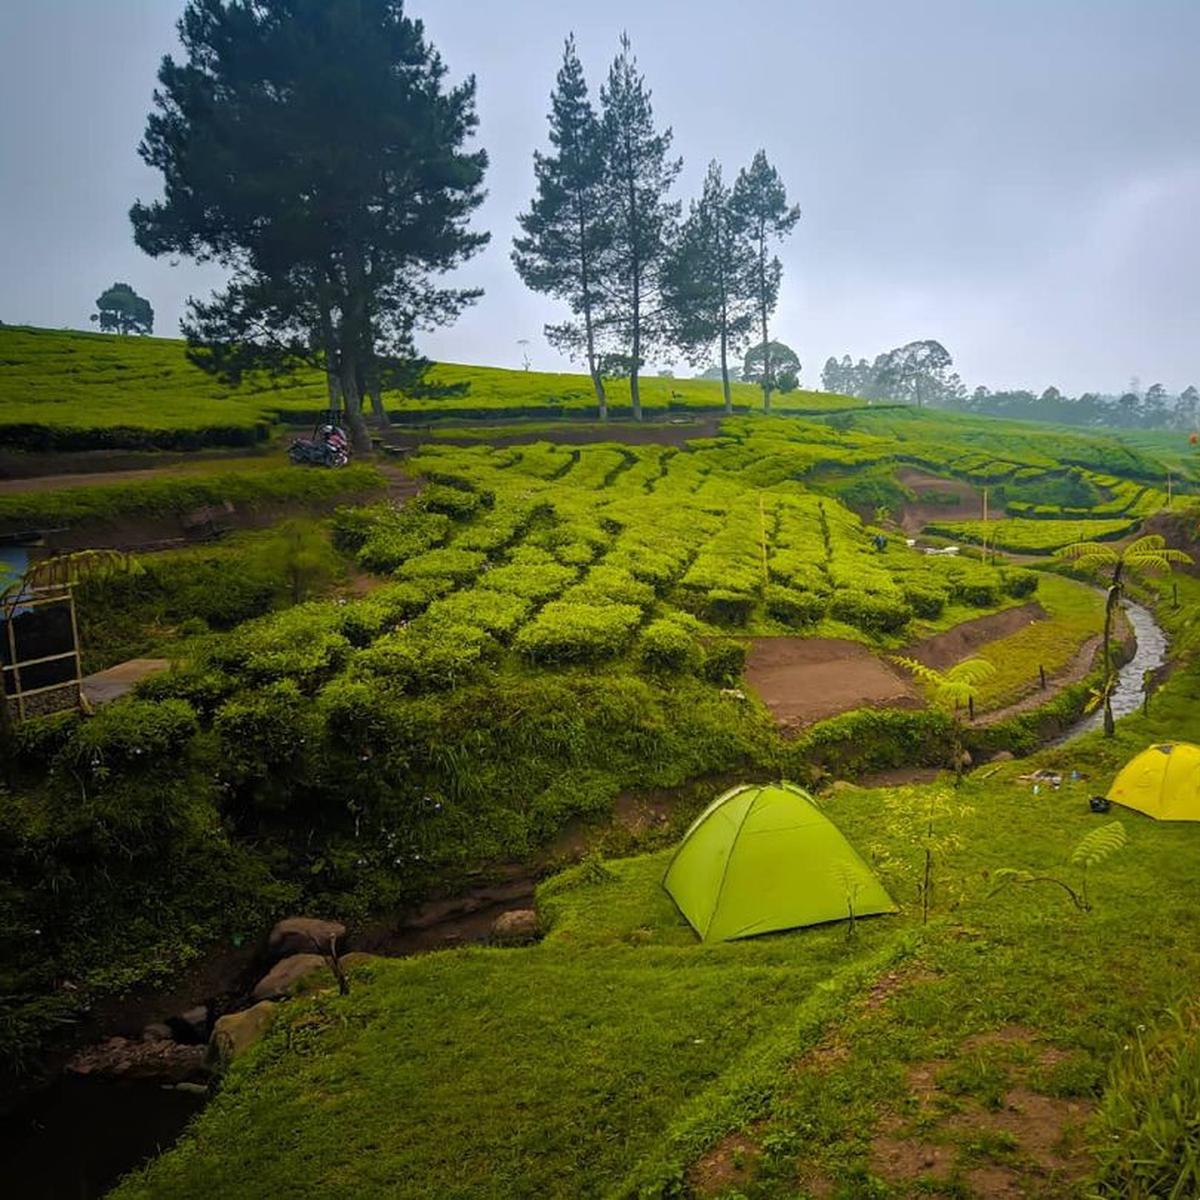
328,447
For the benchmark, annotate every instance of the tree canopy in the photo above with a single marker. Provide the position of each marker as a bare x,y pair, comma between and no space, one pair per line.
314,149
119,309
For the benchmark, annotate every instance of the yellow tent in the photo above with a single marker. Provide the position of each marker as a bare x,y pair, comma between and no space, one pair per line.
1163,782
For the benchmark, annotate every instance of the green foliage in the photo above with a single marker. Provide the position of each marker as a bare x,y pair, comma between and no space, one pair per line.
793,607
570,632
1026,536
668,645
136,735
727,607
872,612
1145,1136
724,662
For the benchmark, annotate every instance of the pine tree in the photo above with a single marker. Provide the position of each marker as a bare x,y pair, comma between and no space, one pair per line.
313,148
566,230
760,202
707,280
638,176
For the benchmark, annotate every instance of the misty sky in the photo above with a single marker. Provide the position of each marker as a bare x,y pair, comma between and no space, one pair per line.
1017,178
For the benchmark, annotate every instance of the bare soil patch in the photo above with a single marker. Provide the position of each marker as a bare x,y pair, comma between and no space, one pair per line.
1027,1144
106,686
730,1163
803,680
916,515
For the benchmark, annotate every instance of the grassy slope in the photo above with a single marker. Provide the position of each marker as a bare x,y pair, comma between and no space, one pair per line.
62,378
610,1056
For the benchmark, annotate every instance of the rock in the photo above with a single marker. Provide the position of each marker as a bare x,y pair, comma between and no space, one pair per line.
277,982
303,935
518,925
122,1058
159,1031
235,1033
1002,756
190,1026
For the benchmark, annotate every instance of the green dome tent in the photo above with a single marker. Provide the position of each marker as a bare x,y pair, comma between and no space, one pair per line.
766,858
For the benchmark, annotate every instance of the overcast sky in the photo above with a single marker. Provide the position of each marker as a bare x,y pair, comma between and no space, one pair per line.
1017,178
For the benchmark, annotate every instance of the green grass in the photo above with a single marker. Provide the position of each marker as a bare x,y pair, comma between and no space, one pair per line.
251,483
1024,535
607,1059
75,390
1074,613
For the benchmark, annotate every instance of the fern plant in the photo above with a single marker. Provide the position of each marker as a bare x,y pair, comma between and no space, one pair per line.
952,691
1091,850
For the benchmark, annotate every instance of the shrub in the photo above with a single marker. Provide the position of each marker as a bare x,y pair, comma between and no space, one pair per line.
728,607
448,563
574,794
302,643
793,607
872,612
130,735
724,662
439,656
925,601
611,585
200,686
266,739
564,632
1017,582
498,613
534,582
453,501
669,646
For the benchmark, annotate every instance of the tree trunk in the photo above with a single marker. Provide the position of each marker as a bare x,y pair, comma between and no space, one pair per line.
725,373
589,331
766,345
360,439
375,390
635,264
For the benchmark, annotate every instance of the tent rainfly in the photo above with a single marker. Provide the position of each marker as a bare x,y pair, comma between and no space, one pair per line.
1163,782
759,859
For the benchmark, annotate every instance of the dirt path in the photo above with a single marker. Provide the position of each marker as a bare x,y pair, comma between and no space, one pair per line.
51,483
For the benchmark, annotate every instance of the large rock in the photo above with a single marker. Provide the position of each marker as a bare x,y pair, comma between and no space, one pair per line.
517,926
278,981
304,935
121,1058
235,1033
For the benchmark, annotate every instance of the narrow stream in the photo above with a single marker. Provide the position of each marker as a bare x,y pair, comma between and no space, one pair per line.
1151,654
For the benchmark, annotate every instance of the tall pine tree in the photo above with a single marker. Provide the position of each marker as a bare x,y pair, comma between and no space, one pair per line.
760,203
638,175
313,148
708,278
566,232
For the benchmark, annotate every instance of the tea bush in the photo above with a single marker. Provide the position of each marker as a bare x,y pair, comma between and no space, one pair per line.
566,632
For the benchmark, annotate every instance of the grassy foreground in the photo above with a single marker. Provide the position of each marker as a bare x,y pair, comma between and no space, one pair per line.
619,1058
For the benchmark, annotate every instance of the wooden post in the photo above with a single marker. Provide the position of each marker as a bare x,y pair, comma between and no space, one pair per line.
971,707
1042,676
762,525
985,522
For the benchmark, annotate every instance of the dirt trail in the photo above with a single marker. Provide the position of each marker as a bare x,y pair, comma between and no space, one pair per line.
50,483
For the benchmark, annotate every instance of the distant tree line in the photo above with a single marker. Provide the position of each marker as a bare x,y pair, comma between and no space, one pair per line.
921,373
603,235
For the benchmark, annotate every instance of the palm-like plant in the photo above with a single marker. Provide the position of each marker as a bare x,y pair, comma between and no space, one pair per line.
952,690
64,570
1149,555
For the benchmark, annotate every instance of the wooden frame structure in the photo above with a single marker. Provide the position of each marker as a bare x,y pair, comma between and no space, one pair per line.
17,696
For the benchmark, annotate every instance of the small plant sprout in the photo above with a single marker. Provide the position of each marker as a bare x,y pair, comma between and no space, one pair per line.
1090,851
850,885
952,691
920,820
